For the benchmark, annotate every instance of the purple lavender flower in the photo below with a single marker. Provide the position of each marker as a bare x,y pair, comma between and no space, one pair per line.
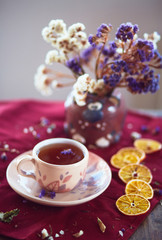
52,194
149,83
102,29
112,80
135,28
154,84
87,54
4,156
91,40
126,31
133,85
101,36
42,193
74,65
67,152
145,68
117,66
145,50
157,59
110,50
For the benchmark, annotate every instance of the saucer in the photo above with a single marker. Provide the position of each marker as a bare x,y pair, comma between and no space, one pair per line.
97,179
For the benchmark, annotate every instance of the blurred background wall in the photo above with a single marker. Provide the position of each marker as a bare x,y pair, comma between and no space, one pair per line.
22,48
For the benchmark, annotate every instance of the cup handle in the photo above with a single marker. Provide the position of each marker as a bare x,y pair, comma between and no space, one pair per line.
21,171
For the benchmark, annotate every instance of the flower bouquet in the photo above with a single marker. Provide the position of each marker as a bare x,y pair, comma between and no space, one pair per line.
95,113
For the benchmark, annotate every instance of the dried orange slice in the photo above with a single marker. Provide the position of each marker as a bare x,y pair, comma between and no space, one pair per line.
135,171
132,204
120,161
147,145
140,187
132,150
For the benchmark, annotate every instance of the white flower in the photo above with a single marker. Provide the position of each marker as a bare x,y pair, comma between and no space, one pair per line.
74,28
58,26
41,81
54,56
85,85
46,34
119,50
41,69
80,98
82,83
54,84
81,35
154,38
63,44
82,86
98,85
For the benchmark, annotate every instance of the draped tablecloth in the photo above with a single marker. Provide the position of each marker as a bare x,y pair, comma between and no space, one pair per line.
23,123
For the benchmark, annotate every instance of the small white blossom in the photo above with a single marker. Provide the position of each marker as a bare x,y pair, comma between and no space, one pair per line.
42,84
154,38
80,98
58,26
81,35
74,28
54,84
82,83
51,57
99,85
119,50
54,56
41,69
46,34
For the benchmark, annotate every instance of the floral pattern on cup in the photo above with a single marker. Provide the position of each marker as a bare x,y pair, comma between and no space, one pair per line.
60,185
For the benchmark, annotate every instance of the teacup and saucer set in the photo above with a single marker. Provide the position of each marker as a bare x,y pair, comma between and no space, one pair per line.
59,165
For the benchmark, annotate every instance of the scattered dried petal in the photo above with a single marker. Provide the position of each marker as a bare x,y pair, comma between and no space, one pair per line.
6,146
101,225
8,216
25,130
78,234
156,183
50,238
3,156
44,233
135,135
61,232
121,233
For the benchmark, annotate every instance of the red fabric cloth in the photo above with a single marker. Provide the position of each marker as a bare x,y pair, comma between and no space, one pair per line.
17,115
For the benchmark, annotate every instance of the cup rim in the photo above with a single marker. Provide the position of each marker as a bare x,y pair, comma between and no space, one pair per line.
58,140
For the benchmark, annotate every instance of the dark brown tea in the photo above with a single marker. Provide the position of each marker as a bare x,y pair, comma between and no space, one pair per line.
60,154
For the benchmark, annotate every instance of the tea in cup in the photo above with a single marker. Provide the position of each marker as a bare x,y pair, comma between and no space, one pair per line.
57,164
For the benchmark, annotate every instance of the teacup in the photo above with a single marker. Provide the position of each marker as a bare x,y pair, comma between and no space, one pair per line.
57,164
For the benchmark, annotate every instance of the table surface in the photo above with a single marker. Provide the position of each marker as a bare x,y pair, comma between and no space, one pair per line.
151,227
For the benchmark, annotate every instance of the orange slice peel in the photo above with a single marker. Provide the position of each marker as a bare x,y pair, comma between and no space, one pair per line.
147,145
140,187
135,171
132,204
119,161
132,150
